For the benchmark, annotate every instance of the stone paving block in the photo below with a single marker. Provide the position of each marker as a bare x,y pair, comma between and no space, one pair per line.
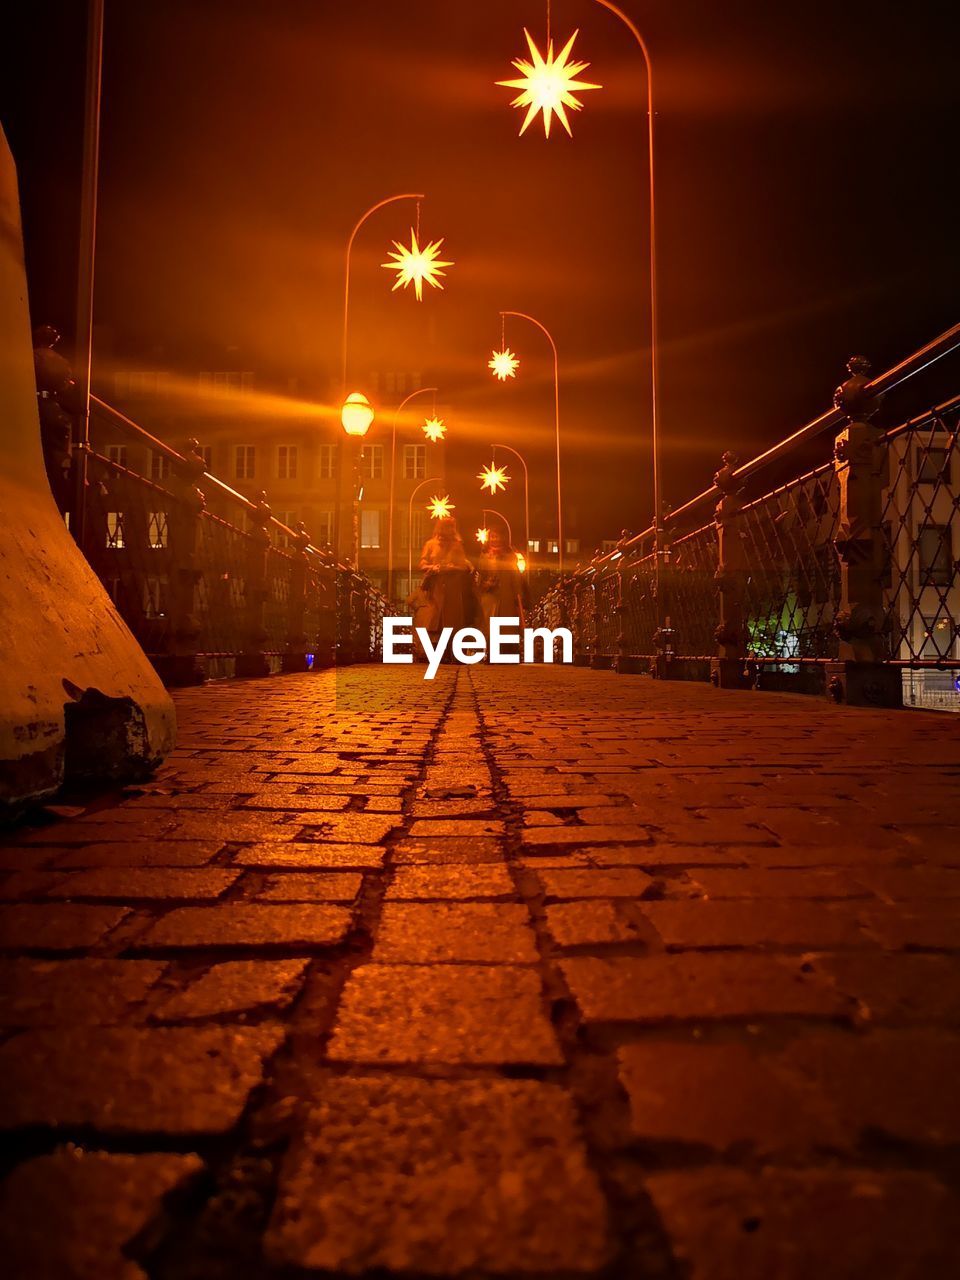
323,886
564,800
150,884
19,858
451,850
351,828
245,925
310,856
725,1224
595,923
468,1014
436,883
726,1097
683,988
375,1182
72,1214
57,927
236,987
594,883
730,827
479,932
52,993
292,800
814,884
425,828
899,1083
895,988
555,837
897,885
181,1081
149,853
462,808
20,885
748,923
923,925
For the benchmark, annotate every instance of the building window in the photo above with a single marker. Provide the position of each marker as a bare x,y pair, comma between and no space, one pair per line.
117,453
134,383
159,465
115,540
287,462
533,544
246,462
157,530
206,453
937,638
327,468
553,547
934,467
323,528
370,529
415,534
608,545
228,381
571,546
414,462
154,597
936,555
371,461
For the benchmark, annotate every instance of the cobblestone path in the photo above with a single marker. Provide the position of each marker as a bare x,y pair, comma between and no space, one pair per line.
525,972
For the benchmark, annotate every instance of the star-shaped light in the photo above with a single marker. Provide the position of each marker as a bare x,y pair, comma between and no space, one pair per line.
548,84
440,508
416,264
493,478
434,429
483,536
504,364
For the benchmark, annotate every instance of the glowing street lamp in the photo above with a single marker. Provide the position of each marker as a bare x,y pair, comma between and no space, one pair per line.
521,562
417,264
526,487
493,478
504,364
356,417
483,536
416,489
548,85
434,429
440,508
421,391
487,511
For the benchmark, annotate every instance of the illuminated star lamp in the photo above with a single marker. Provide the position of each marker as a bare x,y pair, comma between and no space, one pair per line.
417,263
548,85
434,429
440,508
493,478
521,562
504,364
483,536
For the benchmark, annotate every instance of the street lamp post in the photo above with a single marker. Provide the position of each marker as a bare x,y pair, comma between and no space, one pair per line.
487,511
393,479
522,315
526,491
421,485
356,417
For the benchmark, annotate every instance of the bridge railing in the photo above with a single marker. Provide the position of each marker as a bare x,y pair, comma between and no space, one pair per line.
208,580
844,579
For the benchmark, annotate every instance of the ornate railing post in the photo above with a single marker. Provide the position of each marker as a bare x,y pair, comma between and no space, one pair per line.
252,661
665,635
860,676
181,664
728,668
295,655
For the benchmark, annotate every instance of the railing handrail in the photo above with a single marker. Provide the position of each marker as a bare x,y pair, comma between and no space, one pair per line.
910,366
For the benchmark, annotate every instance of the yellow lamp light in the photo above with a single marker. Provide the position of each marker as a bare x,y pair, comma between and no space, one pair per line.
483,536
547,84
417,264
357,414
504,364
440,508
521,562
493,478
434,429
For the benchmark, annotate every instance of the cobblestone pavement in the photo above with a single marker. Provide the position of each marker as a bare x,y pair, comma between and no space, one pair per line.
522,972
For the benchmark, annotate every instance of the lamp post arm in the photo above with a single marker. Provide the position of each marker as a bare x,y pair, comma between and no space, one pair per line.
526,490
393,484
416,195
429,480
522,315
488,511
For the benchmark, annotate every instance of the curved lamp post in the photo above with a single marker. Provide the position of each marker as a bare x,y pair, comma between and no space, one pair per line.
487,511
526,491
429,480
522,315
393,483
356,417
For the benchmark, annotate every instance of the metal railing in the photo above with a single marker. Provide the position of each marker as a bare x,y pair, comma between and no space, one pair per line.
208,580
844,579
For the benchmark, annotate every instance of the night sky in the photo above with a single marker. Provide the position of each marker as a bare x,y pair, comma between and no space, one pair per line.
804,155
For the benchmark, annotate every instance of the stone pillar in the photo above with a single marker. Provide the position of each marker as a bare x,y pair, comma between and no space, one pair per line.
181,664
253,661
861,676
295,657
728,668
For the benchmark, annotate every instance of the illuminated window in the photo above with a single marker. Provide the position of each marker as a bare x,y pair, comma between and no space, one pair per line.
323,528
370,529
533,544
553,547
571,546
117,453
935,546
115,530
414,462
327,467
159,465
245,464
157,530
287,462
371,461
